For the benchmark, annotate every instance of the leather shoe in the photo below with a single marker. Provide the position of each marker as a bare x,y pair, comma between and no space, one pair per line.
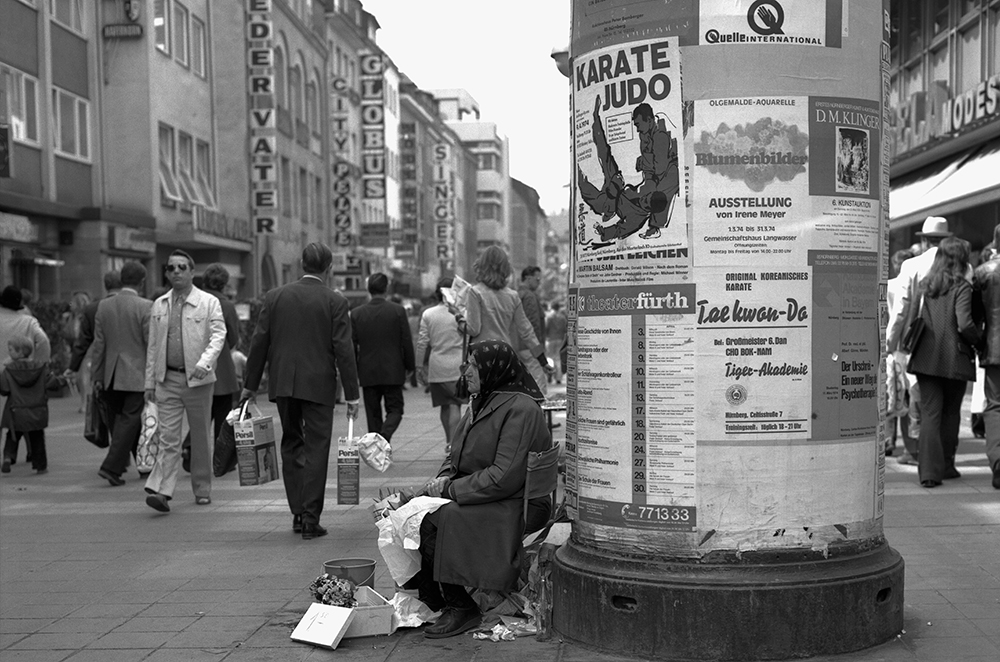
297,523
115,481
452,622
930,483
158,502
310,531
952,473
5,467
996,476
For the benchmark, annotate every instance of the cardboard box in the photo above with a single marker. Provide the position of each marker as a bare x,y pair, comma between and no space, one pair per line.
372,616
348,471
323,625
256,453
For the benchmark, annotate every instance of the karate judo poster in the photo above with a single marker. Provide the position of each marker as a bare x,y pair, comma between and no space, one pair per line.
630,203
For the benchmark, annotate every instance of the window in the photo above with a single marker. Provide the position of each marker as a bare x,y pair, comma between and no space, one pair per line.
995,41
161,25
318,202
204,171
488,162
185,169
295,92
71,121
486,211
913,80
941,9
170,192
68,13
279,78
286,187
198,46
914,30
21,92
303,195
181,33
312,108
969,54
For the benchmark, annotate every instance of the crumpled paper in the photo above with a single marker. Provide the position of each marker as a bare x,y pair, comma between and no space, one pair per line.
410,611
399,536
508,629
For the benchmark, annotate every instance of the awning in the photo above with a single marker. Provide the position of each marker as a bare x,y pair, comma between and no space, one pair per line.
969,179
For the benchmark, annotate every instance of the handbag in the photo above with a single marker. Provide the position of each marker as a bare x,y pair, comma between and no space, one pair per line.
93,431
915,331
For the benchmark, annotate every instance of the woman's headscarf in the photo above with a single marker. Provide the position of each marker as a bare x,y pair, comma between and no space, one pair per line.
500,371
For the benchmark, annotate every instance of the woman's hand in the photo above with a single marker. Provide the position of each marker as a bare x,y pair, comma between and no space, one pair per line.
435,486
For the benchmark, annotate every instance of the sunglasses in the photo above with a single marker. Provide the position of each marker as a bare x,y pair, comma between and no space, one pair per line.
171,268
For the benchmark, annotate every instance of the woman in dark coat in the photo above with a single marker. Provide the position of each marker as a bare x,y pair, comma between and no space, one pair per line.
476,540
944,358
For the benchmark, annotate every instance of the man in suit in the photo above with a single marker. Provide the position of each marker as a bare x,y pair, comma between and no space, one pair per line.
112,285
912,271
186,334
988,283
121,329
303,333
385,354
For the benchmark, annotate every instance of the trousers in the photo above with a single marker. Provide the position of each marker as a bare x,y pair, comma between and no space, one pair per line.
306,428
174,398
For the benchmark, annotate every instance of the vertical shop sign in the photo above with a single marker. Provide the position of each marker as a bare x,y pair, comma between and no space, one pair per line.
373,147
263,138
343,172
444,207
410,203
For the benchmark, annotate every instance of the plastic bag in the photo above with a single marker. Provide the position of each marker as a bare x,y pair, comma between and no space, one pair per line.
149,439
375,451
896,386
399,536
409,611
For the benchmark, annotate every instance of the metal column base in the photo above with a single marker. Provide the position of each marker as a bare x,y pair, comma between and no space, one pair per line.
779,605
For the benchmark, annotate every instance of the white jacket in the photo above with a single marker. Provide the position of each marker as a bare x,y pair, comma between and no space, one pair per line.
203,332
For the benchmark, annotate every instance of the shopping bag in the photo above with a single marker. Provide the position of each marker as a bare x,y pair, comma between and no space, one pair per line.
256,454
375,451
149,439
895,392
224,457
93,431
348,467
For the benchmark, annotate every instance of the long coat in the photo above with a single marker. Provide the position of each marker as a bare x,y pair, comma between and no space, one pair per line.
479,534
303,333
383,342
946,346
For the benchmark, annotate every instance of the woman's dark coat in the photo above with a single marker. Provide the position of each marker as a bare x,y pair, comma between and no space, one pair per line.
946,347
479,534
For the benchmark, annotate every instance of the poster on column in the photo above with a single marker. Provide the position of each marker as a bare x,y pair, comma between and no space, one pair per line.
630,213
634,419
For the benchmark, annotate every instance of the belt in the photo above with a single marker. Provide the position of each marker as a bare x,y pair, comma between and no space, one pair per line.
169,367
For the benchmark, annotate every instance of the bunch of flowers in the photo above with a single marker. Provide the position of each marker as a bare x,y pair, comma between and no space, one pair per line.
333,591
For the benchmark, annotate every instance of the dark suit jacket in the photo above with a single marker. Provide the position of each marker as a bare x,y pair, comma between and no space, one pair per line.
86,338
383,342
121,331
303,332
225,371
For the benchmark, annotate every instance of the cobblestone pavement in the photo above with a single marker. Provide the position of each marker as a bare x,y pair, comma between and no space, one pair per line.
89,572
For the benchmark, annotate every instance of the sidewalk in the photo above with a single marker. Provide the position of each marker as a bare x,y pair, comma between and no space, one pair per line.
88,572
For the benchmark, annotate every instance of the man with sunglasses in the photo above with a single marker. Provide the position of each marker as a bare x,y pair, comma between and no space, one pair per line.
186,335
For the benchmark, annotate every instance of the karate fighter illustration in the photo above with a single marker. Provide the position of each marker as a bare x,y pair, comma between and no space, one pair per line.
651,200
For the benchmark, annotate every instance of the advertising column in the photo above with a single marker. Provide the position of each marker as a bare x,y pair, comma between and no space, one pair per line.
725,423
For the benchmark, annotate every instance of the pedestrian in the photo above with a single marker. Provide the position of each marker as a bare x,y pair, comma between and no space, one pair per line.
494,311
303,333
384,347
894,290
14,323
214,279
186,334
121,332
911,273
26,382
439,354
987,278
944,357
475,539
531,279
71,328
555,336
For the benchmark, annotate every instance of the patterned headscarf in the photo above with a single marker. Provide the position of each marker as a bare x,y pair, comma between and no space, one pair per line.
500,371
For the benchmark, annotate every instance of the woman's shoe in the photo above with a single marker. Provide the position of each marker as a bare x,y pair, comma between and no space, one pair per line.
930,483
452,622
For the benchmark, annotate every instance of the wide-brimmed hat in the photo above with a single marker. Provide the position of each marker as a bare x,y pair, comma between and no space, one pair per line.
935,226
11,298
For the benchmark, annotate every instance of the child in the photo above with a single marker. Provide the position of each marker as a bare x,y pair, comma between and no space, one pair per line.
26,383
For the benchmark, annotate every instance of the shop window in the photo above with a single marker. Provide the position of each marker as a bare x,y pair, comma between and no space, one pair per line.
969,56
71,121
181,16
185,169
68,13
161,25
170,193
204,169
198,47
21,92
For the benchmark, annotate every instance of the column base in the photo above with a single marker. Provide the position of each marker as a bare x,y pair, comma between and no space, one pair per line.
779,606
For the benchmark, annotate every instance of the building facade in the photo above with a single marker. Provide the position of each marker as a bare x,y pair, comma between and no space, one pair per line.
527,227
945,99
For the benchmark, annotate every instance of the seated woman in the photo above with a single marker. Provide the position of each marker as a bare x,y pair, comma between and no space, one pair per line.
476,540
